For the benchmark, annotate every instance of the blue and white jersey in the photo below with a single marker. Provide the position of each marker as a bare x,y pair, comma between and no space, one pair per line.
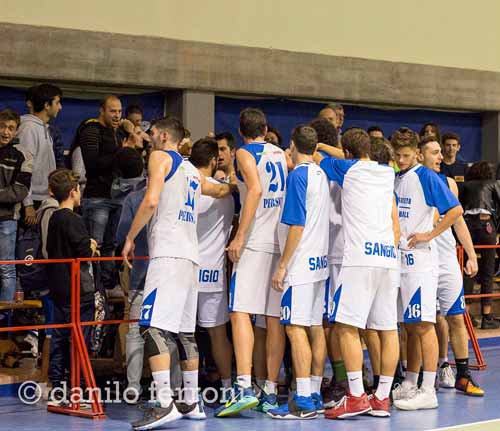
271,165
215,218
307,204
420,191
367,201
172,229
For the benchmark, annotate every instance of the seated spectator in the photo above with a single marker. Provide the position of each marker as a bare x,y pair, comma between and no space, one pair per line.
430,129
67,238
15,177
375,132
451,166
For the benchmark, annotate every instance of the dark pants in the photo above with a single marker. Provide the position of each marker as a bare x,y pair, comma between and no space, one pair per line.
483,233
60,341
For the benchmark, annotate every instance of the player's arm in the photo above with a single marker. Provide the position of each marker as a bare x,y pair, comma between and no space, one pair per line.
216,191
338,153
248,169
395,223
463,235
292,242
159,166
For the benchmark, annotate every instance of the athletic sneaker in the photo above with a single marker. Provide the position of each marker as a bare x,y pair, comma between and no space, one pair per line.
335,392
403,391
380,408
446,376
195,411
243,399
468,387
157,416
349,406
296,408
318,403
425,398
267,402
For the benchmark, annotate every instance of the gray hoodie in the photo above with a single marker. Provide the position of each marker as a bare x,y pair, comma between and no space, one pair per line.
34,138
43,215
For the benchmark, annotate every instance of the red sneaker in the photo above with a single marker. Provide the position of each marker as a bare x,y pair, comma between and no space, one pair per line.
380,408
349,406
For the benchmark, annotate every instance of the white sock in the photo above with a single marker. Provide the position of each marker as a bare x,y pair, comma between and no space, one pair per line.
270,387
303,386
260,382
163,391
404,362
355,379
443,360
411,378
316,384
245,380
384,387
226,383
429,379
190,380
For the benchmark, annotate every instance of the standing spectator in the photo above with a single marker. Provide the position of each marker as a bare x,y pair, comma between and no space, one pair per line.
34,138
451,166
99,141
339,112
135,114
328,113
375,132
430,129
15,178
481,203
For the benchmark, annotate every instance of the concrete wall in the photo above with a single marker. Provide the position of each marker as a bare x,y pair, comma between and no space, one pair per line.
455,33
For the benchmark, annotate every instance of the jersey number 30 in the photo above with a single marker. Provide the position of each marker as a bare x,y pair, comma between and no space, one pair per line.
276,183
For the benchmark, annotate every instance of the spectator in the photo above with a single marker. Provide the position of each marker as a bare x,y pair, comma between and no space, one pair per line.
15,179
328,113
186,144
430,129
451,166
375,132
99,141
339,112
135,114
481,203
34,138
67,238
273,136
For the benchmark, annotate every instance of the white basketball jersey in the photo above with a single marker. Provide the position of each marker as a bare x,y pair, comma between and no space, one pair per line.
271,165
307,204
215,217
172,229
419,191
367,202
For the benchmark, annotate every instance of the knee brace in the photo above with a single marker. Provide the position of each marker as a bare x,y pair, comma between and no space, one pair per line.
157,341
186,344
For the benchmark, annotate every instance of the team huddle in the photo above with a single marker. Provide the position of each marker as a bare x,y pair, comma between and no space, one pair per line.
332,248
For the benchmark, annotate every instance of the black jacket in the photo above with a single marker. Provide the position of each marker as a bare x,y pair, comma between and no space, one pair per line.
482,194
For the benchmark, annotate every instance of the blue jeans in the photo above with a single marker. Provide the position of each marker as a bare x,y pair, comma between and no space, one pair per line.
101,217
8,233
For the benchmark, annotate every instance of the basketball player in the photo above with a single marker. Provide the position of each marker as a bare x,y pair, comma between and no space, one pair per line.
420,192
170,206
450,283
261,175
369,276
302,274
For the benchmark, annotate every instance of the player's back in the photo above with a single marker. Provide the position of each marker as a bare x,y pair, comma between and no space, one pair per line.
172,229
367,202
271,166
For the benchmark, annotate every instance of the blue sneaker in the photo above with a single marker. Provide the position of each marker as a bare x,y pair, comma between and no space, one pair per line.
243,399
267,402
297,408
318,402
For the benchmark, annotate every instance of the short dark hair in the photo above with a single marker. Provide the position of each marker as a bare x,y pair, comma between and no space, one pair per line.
253,123
450,135
42,94
172,125
425,140
228,136
10,115
204,150
271,129
305,139
187,133
381,150
326,131
357,142
435,129
374,129
62,182
133,109
404,137
479,171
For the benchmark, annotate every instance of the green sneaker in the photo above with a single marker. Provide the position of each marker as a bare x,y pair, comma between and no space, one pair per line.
267,402
244,399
